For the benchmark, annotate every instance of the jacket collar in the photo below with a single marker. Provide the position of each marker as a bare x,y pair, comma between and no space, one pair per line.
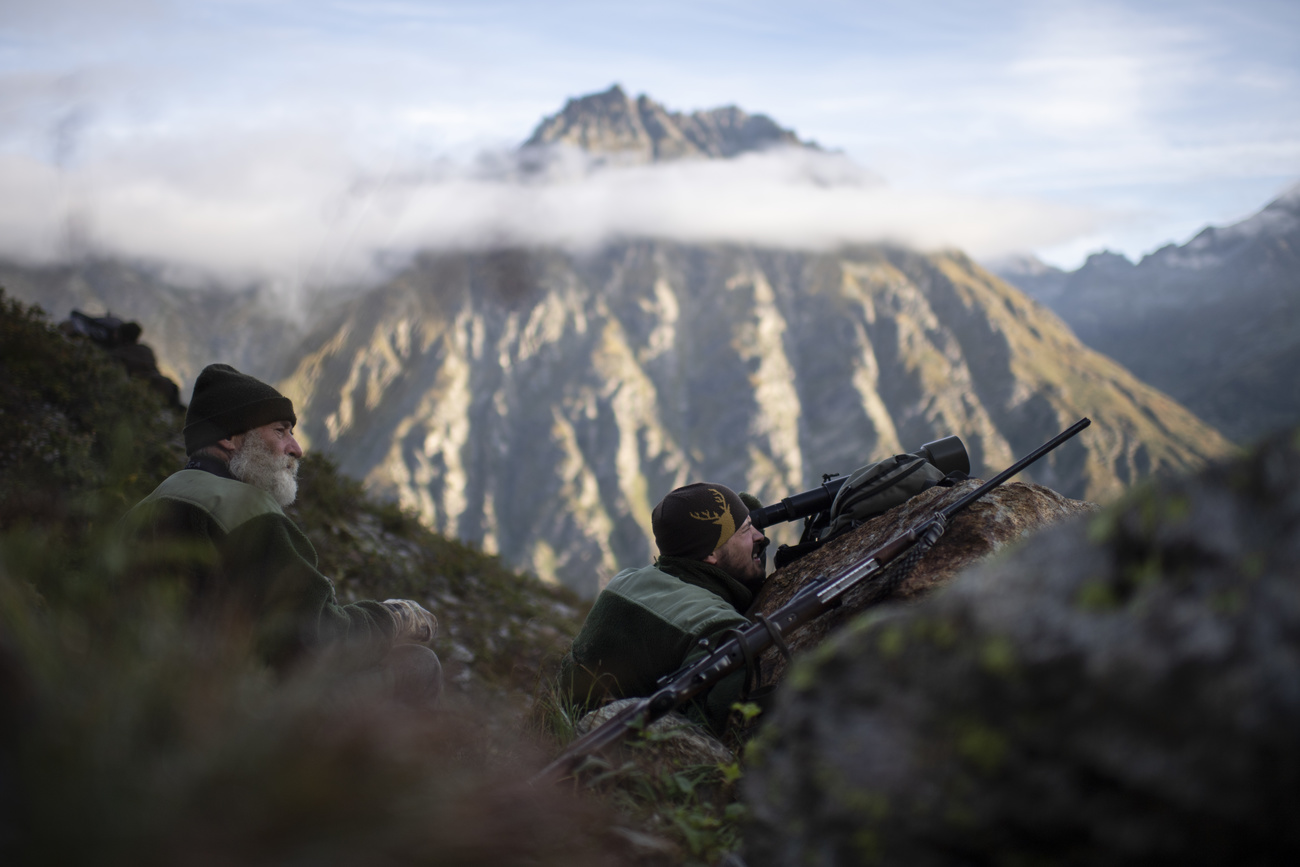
209,464
709,578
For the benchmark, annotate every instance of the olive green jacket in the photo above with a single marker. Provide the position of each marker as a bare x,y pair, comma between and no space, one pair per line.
649,622
239,551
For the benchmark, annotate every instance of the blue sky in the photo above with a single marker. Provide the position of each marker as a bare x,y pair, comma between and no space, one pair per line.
238,131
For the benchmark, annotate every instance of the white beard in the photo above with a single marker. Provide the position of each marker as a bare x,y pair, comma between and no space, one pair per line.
258,465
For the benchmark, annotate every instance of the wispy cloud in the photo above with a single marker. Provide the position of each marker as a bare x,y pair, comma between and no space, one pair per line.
298,209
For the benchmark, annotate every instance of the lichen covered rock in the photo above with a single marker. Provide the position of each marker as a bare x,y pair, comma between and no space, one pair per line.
1123,689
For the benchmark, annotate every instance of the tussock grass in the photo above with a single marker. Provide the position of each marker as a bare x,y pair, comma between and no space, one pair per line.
676,797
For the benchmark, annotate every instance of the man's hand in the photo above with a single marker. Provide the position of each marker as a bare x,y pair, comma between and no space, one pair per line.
414,623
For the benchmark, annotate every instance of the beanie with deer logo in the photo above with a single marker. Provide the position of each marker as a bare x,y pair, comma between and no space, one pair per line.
696,520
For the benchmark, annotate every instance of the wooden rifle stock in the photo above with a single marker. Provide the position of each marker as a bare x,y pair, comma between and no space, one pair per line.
813,600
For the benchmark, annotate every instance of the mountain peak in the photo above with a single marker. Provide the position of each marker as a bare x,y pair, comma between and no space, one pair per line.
1021,265
1277,224
1289,200
1108,262
612,125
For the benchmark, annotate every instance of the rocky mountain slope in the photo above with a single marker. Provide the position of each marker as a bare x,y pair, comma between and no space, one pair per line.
540,402
629,131
1215,322
598,382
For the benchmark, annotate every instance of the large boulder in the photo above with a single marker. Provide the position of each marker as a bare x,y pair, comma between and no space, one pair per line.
1123,689
1005,515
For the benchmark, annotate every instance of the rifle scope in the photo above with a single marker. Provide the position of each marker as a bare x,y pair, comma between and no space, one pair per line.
948,454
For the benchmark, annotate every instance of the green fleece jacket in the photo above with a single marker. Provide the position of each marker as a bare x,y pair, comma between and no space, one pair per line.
648,622
240,549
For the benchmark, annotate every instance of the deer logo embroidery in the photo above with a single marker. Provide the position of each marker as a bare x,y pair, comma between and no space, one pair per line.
723,518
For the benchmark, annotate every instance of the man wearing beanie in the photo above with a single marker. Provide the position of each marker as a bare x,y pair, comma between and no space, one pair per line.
250,559
651,621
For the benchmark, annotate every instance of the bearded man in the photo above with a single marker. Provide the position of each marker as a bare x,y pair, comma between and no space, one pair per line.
651,621
246,559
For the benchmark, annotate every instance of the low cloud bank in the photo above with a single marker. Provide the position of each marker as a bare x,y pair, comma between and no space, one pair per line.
301,212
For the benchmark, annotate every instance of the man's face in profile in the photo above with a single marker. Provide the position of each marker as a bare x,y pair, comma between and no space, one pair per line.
743,556
267,457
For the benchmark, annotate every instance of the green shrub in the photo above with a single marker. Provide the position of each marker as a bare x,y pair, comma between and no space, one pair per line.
72,423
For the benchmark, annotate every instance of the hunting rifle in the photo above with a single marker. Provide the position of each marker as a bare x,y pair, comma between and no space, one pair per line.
811,601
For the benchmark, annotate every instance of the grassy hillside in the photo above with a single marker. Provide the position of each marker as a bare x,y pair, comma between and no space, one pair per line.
127,738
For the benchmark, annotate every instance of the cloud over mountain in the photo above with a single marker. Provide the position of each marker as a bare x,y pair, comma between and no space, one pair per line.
301,207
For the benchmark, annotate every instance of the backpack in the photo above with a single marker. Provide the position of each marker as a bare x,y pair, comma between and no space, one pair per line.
865,493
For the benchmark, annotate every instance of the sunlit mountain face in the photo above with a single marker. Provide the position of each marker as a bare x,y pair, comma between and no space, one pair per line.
541,402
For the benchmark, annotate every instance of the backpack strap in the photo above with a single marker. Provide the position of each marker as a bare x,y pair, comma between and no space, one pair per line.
877,483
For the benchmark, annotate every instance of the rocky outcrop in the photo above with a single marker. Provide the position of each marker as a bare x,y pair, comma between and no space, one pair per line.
615,127
121,340
540,403
188,328
676,740
1004,516
1120,690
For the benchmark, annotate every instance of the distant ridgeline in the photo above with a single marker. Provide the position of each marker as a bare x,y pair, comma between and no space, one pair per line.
1215,322
539,403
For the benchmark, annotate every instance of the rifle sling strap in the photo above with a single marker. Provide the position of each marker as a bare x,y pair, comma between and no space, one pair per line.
748,653
776,636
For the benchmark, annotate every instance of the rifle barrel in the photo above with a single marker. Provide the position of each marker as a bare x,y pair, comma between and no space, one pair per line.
1019,465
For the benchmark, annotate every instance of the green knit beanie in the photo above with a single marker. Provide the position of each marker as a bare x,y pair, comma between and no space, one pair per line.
227,402
696,520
